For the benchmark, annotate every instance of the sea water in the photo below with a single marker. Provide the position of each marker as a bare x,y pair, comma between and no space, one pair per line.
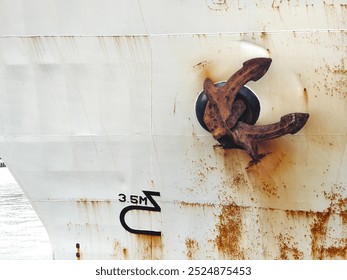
22,235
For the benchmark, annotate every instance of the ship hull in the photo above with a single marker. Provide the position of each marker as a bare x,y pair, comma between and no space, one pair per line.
99,129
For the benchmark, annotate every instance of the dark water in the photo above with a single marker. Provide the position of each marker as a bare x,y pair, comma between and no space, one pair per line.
22,235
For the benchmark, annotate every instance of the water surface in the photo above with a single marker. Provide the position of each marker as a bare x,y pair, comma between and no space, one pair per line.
22,235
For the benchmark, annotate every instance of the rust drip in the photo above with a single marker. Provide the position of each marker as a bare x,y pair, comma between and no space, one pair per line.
119,252
78,251
149,247
305,96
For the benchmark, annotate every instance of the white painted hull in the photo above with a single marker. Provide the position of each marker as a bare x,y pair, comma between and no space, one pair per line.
97,104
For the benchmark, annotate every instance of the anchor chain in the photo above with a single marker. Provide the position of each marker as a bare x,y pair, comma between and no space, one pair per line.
223,112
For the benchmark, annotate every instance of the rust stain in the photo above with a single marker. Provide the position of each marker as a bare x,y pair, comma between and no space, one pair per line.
149,247
206,72
201,171
232,159
264,35
287,250
323,245
196,204
230,232
201,64
335,82
239,181
319,232
262,174
89,202
83,202
119,252
174,107
275,5
78,253
257,177
305,96
331,5
192,247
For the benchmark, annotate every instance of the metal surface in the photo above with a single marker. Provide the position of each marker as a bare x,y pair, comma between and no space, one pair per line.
97,106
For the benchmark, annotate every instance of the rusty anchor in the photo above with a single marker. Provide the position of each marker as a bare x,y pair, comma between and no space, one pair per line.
223,112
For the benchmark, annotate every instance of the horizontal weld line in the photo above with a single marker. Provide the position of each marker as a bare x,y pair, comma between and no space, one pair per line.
181,34
193,204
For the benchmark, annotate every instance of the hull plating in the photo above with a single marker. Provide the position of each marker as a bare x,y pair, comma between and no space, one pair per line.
94,112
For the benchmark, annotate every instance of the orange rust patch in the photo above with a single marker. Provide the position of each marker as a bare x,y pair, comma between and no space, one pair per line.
239,180
334,252
262,173
192,246
125,253
230,232
259,176
319,229
323,245
287,249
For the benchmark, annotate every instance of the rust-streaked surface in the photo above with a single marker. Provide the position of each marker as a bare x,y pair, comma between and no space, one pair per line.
92,113
230,232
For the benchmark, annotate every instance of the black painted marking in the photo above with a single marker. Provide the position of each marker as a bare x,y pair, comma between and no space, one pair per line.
154,208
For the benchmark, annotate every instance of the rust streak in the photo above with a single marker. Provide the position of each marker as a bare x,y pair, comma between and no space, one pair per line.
230,232
119,252
78,253
192,247
149,247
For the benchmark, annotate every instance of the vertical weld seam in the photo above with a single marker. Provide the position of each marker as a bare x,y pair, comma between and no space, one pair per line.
151,81
142,16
